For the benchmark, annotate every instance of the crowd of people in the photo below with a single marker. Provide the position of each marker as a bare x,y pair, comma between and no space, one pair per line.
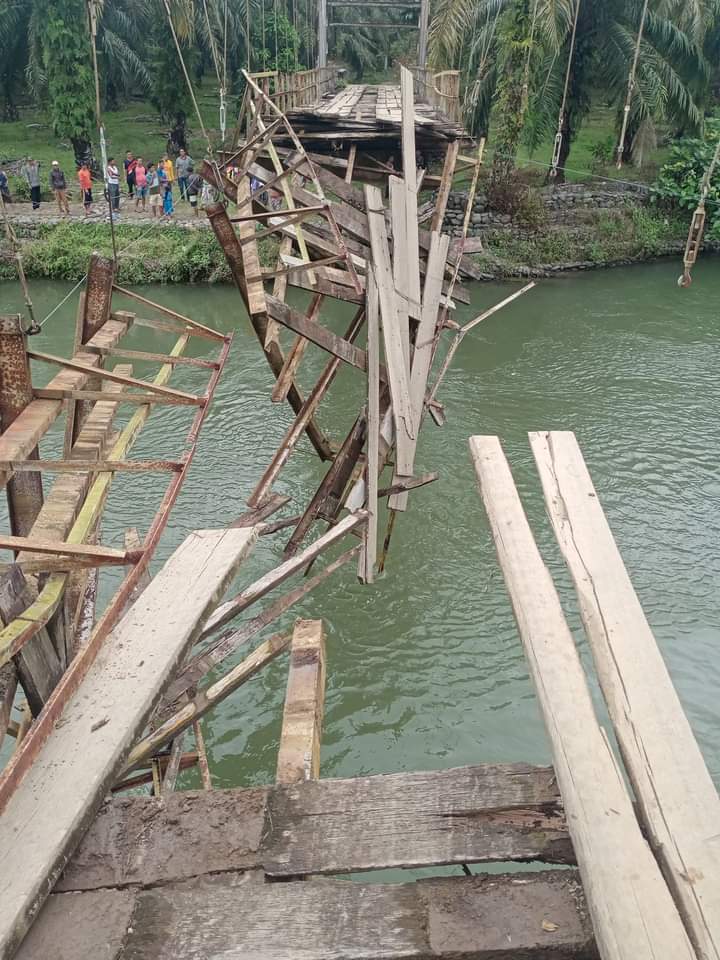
148,185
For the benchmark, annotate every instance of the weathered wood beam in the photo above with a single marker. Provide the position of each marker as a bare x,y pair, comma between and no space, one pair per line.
286,377
60,548
678,803
232,608
173,314
65,786
93,466
368,555
632,911
116,377
445,186
123,396
149,357
316,332
301,732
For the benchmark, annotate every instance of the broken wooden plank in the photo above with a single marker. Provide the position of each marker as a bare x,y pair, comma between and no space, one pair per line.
292,360
93,466
204,662
198,328
536,916
678,803
424,348
633,914
122,396
115,377
474,814
395,360
301,733
55,548
63,789
307,411
316,332
269,506
411,190
446,182
232,608
204,701
368,556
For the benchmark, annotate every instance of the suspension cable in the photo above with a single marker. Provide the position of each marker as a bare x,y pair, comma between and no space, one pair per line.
557,146
277,39
631,87
697,225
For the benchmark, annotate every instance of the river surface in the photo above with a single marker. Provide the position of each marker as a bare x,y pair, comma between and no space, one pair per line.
425,669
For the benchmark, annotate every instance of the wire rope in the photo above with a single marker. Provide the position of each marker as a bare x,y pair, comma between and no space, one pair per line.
697,224
557,146
631,87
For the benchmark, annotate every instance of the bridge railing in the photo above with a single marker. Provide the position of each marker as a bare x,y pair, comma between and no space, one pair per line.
440,90
291,90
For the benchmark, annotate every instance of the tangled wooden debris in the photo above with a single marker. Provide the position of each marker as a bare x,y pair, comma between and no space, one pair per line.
340,243
86,680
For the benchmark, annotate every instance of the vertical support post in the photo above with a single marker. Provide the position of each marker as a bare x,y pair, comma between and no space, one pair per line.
24,491
94,309
322,34
423,34
368,555
299,754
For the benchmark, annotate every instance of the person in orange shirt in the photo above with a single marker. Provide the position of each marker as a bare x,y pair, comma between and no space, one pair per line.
85,178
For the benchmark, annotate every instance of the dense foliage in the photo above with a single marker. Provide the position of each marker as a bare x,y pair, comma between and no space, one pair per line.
680,178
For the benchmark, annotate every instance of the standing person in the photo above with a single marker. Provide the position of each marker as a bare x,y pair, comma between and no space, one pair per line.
31,172
4,187
168,168
183,167
153,178
85,179
167,197
58,186
141,184
194,187
113,182
130,164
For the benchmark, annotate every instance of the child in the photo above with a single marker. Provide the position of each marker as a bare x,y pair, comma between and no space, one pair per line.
153,178
85,178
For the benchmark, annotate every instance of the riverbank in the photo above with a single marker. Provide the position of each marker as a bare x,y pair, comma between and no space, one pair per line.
579,234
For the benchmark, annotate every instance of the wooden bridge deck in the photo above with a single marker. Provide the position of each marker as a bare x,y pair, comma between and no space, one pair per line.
372,112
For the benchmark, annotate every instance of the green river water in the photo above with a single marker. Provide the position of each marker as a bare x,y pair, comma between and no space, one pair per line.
425,669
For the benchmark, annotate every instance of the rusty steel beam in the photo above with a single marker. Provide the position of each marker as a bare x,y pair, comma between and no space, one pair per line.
228,240
24,493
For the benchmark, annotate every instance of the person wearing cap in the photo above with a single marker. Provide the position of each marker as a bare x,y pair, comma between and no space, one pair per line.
31,171
58,185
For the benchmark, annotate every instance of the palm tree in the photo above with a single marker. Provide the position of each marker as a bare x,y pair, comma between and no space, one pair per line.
14,16
480,36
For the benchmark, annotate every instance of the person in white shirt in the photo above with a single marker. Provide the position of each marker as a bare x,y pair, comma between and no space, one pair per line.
113,182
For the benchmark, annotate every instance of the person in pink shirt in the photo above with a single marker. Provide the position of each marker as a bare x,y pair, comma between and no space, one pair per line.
141,184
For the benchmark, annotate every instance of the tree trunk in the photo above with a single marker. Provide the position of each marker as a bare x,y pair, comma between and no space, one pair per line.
507,120
83,152
177,137
564,147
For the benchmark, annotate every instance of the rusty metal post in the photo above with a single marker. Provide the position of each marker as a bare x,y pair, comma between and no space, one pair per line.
94,310
24,491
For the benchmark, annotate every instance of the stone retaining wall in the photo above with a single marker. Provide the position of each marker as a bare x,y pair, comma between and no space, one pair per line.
561,204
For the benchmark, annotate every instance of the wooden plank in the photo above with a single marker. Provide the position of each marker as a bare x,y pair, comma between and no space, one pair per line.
62,791
350,163
301,732
424,346
197,328
149,357
462,815
409,120
114,377
296,428
144,841
633,914
93,466
232,608
679,805
200,704
287,375
316,332
400,261
138,399
368,556
536,916
446,182
392,339
60,548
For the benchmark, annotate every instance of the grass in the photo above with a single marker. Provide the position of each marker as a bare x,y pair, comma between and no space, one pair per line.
135,127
